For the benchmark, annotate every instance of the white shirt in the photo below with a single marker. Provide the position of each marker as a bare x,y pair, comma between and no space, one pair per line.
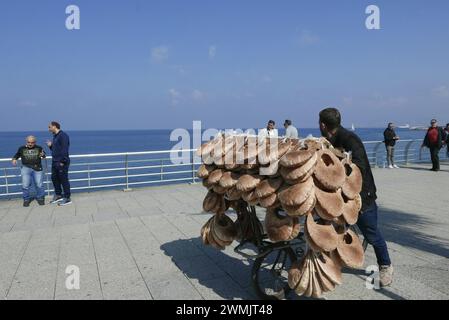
291,132
268,133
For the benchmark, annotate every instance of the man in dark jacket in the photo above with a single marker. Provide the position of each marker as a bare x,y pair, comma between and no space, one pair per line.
390,139
31,170
434,141
330,127
60,165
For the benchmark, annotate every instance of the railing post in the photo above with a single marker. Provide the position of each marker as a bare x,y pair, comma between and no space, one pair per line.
46,178
88,176
193,167
376,147
6,181
127,188
406,150
162,170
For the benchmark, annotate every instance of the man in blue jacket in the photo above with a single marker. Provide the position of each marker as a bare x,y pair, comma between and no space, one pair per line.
60,164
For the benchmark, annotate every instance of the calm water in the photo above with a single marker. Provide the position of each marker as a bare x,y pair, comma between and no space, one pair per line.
83,142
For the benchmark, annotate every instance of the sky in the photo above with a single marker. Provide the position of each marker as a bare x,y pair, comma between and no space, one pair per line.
148,64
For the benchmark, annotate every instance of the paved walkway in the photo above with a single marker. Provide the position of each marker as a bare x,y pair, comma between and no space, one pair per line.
145,244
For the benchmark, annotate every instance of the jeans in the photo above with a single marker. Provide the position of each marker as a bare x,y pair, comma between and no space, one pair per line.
28,176
390,155
434,150
367,224
60,179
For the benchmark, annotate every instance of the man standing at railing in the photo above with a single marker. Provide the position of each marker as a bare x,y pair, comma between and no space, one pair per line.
390,139
31,155
330,127
270,131
290,130
434,141
60,165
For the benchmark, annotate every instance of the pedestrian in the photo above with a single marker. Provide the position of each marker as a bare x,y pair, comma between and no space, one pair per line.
60,165
390,138
290,130
270,131
434,141
446,140
339,137
31,172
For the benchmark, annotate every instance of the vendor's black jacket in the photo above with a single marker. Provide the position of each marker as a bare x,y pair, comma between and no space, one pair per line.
389,135
350,142
31,157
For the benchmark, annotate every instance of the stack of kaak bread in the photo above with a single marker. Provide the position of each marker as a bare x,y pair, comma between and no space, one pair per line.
291,179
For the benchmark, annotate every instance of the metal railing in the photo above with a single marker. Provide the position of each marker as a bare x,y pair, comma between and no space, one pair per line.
110,170
125,170
405,152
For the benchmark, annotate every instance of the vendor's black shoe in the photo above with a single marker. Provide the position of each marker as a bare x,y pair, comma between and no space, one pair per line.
41,202
26,203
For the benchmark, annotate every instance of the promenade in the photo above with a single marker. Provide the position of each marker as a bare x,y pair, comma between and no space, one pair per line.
145,244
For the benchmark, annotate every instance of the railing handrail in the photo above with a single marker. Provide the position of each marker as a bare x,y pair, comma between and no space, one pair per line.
117,154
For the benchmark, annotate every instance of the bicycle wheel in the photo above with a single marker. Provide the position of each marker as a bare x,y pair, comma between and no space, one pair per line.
357,231
270,273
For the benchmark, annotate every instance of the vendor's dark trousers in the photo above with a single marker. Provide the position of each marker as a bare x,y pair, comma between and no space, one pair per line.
434,150
367,224
60,178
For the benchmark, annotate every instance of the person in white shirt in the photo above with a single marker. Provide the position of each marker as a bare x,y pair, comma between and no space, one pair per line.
290,130
270,131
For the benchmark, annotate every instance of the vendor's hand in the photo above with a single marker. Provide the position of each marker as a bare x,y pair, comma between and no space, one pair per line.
49,143
14,162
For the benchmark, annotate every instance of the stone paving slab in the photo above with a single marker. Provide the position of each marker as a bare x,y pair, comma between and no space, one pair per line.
145,244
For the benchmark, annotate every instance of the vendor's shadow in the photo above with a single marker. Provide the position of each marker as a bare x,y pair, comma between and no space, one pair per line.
216,274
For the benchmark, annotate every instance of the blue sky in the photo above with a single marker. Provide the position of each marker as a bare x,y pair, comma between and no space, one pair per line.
142,64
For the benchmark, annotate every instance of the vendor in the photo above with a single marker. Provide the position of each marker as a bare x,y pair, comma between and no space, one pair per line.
339,137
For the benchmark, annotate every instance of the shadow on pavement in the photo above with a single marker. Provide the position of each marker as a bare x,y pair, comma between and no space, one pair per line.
211,268
404,229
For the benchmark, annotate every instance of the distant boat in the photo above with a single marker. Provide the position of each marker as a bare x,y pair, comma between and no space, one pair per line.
419,128
407,126
352,127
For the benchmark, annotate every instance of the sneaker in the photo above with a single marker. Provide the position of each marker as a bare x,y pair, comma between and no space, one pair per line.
56,199
64,202
395,166
390,167
41,202
26,203
386,275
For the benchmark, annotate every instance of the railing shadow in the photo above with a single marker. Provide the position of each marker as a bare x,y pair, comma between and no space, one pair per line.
403,228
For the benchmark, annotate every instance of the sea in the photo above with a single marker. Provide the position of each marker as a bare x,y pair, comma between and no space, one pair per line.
114,141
